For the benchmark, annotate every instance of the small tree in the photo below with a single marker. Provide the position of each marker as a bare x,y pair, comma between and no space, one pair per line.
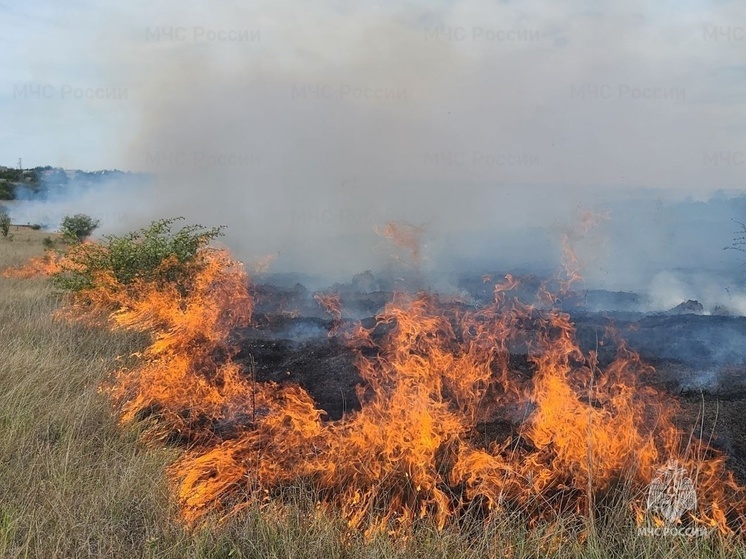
153,254
78,227
4,222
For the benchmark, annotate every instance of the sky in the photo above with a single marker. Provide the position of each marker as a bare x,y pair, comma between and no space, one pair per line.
644,93
306,123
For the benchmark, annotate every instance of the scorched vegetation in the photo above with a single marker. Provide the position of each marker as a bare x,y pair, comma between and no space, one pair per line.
211,463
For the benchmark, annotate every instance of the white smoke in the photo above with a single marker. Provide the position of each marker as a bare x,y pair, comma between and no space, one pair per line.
303,125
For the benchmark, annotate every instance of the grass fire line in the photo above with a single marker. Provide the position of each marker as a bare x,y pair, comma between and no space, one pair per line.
419,447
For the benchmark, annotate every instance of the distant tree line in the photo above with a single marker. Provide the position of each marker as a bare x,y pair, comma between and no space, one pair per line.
41,179
11,178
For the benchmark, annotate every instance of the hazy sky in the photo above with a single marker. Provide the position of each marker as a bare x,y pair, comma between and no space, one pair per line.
307,123
574,92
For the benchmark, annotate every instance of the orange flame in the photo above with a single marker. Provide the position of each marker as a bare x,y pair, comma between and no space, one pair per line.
494,407
263,264
406,236
414,449
331,302
45,265
573,267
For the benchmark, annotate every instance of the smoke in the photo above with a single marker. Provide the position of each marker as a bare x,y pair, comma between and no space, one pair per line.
115,199
671,252
718,294
303,126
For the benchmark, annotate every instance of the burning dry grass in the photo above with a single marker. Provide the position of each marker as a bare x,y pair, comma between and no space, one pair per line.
73,486
413,450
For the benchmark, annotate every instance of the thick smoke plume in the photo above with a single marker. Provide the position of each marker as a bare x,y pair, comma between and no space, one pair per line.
114,198
304,127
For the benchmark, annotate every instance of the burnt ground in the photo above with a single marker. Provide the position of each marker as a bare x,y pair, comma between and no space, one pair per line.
699,360
323,365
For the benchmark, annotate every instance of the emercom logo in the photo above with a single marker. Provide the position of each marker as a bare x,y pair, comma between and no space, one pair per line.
671,493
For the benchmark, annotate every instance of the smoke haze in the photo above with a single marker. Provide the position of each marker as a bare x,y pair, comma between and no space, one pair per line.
302,126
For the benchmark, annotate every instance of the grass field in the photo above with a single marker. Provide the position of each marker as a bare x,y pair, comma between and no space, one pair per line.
75,484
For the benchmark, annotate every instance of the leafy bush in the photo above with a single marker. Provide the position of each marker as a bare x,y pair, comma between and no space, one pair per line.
36,227
78,227
48,243
7,191
11,174
152,254
4,222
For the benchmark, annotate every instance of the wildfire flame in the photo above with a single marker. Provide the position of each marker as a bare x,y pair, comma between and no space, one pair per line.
438,381
405,236
587,220
45,265
332,304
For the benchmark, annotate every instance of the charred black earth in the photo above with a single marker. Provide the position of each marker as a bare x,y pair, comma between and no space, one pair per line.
700,360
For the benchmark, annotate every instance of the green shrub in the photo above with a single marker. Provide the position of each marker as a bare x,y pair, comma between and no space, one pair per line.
4,222
152,254
36,227
7,191
48,243
78,227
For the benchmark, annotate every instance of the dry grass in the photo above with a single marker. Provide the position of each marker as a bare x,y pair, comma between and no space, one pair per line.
75,484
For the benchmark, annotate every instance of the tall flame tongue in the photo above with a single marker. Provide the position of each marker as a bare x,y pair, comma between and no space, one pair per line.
188,380
432,386
405,236
451,414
